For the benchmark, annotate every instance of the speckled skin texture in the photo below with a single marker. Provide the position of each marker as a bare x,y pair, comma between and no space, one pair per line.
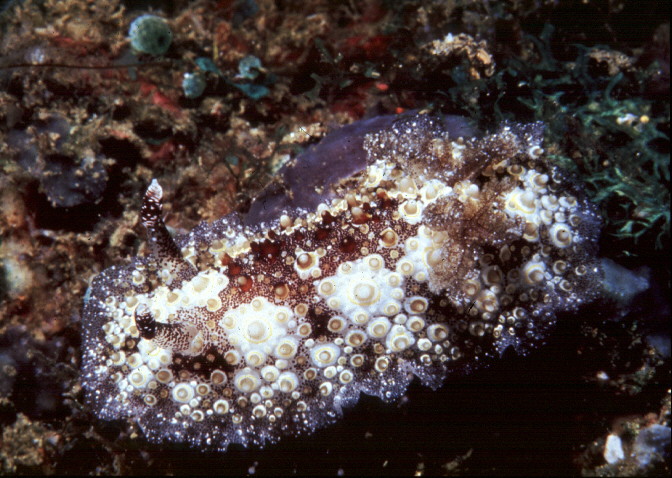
309,179
420,254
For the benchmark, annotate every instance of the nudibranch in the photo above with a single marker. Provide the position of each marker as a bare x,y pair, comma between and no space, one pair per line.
396,248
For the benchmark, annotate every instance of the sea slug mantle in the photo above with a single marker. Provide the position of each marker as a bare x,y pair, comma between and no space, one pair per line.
409,251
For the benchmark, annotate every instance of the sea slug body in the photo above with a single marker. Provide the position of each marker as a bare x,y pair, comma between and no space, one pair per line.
407,251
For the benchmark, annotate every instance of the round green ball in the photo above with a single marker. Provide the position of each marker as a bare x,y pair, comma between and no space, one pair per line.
193,85
150,34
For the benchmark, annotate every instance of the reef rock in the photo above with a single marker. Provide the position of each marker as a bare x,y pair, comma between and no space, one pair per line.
396,248
47,151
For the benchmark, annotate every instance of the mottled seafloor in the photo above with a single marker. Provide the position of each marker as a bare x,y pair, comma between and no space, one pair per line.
86,122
